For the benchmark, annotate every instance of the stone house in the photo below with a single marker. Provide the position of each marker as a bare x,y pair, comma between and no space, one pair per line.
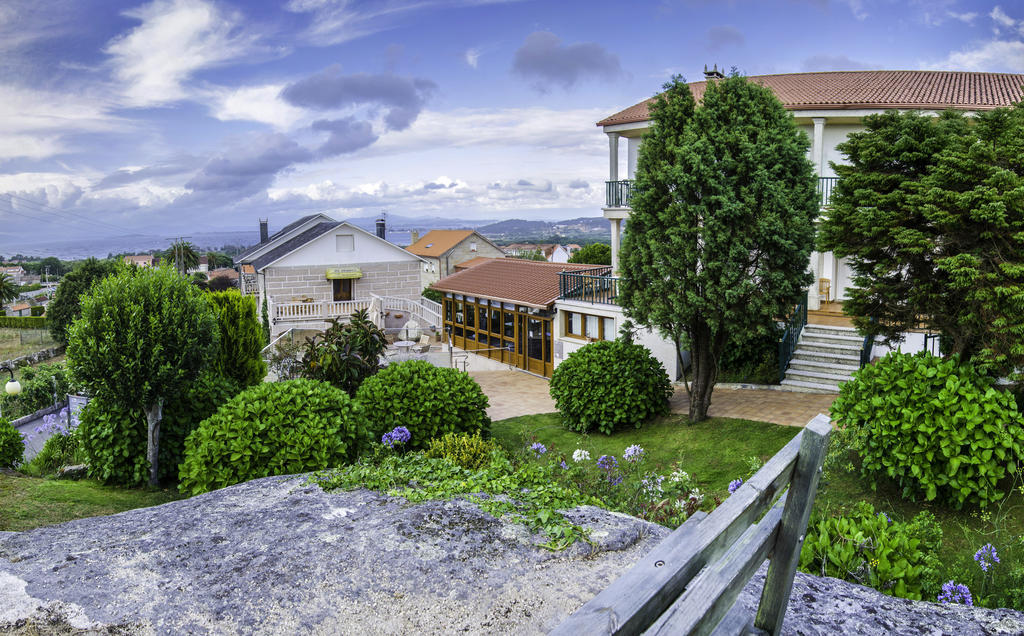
442,250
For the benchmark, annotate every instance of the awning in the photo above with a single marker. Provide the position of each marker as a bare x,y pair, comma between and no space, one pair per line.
336,273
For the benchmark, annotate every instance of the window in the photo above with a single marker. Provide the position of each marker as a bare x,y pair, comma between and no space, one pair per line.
344,242
586,326
472,247
342,289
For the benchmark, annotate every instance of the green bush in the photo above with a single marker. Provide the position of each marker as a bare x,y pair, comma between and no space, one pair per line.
113,438
936,427
37,310
60,449
751,358
468,451
275,428
241,338
898,559
346,353
65,306
12,446
427,400
610,385
38,385
22,322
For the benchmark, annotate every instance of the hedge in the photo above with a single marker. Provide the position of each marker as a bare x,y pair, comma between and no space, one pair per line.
22,322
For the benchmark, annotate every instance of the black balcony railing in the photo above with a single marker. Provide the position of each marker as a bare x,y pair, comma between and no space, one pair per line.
825,185
618,193
595,285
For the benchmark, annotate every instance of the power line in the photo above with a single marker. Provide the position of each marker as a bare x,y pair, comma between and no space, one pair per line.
43,208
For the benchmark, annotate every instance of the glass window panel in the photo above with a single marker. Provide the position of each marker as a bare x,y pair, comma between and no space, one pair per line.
482,322
447,310
575,323
458,313
592,331
470,334
495,320
510,345
609,328
470,315
534,342
547,341
495,342
458,332
510,324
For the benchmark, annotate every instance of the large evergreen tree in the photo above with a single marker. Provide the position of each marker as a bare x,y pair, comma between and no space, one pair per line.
64,307
717,244
930,214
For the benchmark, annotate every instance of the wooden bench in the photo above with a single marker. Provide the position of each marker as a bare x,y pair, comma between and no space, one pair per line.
688,584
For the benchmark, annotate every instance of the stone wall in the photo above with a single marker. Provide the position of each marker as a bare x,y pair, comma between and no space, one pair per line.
292,284
462,253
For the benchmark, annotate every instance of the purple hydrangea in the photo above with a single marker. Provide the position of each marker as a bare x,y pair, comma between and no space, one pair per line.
398,435
607,462
986,557
953,592
633,454
734,485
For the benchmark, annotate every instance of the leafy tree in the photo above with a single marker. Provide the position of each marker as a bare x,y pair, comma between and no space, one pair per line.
143,336
531,255
8,289
221,283
241,338
931,217
64,307
593,254
216,260
346,353
432,294
721,230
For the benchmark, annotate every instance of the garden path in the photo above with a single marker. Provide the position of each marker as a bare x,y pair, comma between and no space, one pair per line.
515,393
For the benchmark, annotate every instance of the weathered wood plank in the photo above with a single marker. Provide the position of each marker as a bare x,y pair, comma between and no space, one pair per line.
778,583
634,601
711,594
737,621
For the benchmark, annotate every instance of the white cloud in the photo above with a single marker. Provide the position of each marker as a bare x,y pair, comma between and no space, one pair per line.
856,8
254,103
34,124
175,39
1001,18
966,18
472,57
995,55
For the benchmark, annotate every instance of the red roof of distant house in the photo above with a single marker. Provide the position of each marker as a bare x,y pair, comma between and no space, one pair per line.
225,272
839,90
21,307
532,283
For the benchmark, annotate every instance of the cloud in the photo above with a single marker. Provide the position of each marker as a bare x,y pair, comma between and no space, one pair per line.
577,184
1001,19
724,36
246,170
346,135
966,18
254,103
176,38
825,62
856,8
135,174
545,60
403,97
995,55
472,57
37,124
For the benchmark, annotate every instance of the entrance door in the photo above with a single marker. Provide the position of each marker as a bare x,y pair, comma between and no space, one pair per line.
535,345
342,289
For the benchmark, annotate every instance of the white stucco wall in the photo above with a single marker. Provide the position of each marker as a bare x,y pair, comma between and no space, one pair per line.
366,249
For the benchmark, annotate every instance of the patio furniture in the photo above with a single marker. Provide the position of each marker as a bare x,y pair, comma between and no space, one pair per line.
404,345
423,346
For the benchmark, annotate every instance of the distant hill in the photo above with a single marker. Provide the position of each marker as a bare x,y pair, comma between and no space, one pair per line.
580,229
514,226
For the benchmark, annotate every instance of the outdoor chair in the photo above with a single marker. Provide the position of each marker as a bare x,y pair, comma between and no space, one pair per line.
423,346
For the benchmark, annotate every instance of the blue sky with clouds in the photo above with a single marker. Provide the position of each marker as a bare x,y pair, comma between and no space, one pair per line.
193,115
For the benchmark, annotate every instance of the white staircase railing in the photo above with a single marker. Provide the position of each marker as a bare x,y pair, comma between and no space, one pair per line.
422,308
319,310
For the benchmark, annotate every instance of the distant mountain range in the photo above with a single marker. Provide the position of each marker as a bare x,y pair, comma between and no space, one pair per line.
518,229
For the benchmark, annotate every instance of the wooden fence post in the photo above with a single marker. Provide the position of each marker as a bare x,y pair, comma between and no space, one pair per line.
778,584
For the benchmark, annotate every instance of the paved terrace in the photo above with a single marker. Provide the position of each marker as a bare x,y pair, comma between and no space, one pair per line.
515,393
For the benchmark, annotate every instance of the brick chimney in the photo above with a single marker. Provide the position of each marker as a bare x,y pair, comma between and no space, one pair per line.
713,74
264,232
414,235
382,228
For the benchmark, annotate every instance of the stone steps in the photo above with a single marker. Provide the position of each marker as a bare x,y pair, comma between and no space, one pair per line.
824,358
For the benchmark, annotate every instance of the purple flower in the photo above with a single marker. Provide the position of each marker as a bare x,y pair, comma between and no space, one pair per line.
986,557
734,485
607,462
398,435
539,448
564,465
633,454
955,593
882,514
615,481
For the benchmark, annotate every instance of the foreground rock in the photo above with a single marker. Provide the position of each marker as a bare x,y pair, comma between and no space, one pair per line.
278,556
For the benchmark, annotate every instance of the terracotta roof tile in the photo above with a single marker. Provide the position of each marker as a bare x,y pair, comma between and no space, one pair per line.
839,90
473,262
436,242
532,283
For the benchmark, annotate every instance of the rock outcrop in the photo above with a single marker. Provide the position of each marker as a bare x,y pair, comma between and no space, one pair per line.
279,556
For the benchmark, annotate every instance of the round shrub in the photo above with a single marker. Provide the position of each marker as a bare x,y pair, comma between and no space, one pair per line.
935,426
427,400
610,385
275,428
12,446
469,451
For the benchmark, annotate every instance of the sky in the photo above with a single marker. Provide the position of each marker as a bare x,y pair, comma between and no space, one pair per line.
185,116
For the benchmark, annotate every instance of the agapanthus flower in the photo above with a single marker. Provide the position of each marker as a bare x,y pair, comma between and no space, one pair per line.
398,435
580,455
538,448
652,485
607,462
734,485
986,557
633,454
564,465
882,514
953,592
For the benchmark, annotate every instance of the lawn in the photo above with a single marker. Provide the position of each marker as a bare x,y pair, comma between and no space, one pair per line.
19,342
29,502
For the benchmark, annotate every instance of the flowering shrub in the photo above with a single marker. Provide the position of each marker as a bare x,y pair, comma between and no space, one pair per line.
61,447
12,447
396,437
734,485
986,557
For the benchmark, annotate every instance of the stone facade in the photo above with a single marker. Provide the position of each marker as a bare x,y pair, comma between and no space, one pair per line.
293,284
445,265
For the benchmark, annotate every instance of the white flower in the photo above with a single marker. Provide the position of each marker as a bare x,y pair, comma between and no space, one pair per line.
580,455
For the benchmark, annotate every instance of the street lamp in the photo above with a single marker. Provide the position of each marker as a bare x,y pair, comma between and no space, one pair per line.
13,387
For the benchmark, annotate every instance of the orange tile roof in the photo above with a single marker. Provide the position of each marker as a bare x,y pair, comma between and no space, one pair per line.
473,262
839,90
436,242
533,283
21,307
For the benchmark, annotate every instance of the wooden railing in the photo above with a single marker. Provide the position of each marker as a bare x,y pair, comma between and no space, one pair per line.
321,310
595,285
689,583
618,193
787,344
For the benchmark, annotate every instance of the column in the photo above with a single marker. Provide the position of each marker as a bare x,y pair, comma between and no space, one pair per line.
613,156
616,232
632,148
818,145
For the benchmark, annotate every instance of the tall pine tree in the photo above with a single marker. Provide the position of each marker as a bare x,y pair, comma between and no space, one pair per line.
722,227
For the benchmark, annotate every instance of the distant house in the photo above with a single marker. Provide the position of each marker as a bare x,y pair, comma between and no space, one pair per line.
21,309
140,260
202,267
572,248
552,252
318,268
443,249
16,273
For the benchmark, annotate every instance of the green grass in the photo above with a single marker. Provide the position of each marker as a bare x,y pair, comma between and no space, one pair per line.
713,452
30,502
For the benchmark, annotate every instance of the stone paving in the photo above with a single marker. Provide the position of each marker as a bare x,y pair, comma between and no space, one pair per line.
514,393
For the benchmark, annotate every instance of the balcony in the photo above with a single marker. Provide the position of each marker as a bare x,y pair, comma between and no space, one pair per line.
618,193
595,285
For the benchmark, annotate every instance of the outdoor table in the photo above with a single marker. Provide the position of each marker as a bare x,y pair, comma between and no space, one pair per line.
404,345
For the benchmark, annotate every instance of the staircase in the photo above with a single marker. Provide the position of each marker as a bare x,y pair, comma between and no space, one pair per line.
824,357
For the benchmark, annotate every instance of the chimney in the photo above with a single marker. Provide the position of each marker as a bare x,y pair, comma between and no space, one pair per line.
381,228
713,74
414,235
264,232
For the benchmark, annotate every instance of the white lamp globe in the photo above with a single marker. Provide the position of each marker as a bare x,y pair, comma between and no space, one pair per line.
13,387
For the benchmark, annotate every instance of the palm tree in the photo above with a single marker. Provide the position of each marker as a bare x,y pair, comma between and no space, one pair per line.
183,255
8,289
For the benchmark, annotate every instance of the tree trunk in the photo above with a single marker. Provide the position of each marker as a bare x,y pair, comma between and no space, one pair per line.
703,371
154,414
